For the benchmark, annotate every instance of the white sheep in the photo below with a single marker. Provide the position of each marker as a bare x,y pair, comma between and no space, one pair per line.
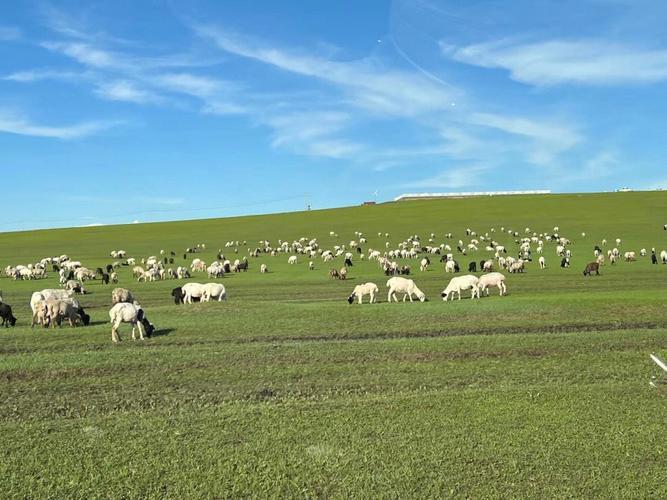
363,289
492,279
38,300
292,259
488,265
263,269
405,286
542,262
311,265
450,266
459,283
192,290
214,291
132,313
423,265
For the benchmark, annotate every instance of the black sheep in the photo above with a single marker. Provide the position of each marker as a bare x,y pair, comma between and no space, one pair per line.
105,278
109,268
472,267
177,293
348,262
8,318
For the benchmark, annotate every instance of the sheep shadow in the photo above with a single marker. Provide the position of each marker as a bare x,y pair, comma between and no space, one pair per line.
162,332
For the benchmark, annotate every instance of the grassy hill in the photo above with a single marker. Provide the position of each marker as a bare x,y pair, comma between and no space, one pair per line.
286,390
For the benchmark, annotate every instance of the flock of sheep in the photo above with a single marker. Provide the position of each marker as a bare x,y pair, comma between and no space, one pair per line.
50,307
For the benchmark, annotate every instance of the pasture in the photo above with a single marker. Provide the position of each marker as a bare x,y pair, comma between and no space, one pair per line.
286,390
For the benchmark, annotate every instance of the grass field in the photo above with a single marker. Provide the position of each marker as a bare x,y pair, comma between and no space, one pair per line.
286,390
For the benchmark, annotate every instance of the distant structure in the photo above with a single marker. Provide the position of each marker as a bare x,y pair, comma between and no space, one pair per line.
366,203
430,196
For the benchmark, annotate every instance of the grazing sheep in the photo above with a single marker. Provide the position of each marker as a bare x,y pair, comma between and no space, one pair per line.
472,267
75,286
459,283
192,291
405,286
59,309
663,256
38,303
8,318
342,274
263,269
132,313
423,265
121,295
630,256
333,273
450,266
488,266
487,281
542,262
215,291
565,262
311,265
592,267
292,259
114,277
361,290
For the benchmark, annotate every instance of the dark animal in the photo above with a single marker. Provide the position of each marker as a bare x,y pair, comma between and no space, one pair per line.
591,268
459,249
70,275
172,253
226,267
348,262
654,259
109,268
597,247
99,271
405,270
457,269
185,256
472,267
177,293
481,264
105,278
334,273
85,318
243,266
164,260
55,268
8,318
359,250
148,326
565,262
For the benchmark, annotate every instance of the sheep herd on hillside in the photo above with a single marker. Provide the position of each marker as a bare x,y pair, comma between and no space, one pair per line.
51,306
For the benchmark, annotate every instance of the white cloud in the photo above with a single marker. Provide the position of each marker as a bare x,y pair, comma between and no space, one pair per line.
368,84
453,178
124,90
37,75
13,124
312,133
586,61
198,86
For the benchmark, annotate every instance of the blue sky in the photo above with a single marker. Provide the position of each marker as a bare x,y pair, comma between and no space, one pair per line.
112,112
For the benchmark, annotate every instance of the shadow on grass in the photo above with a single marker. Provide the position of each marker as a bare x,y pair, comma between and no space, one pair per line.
162,331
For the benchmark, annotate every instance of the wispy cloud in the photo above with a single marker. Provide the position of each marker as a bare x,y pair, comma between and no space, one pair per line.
552,62
312,133
10,33
11,123
37,75
452,178
124,90
366,82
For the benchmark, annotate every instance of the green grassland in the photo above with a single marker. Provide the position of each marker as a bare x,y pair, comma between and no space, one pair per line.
285,390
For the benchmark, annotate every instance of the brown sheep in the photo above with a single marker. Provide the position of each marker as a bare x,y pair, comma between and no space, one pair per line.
592,267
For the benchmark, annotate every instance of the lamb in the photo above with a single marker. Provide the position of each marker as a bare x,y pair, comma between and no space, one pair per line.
342,274
630,256
132,313
423,265
114,277
311,265
121,295
459,283
542,262
8,318
663,256
333,273
488,266
292,259
263,269
472,267
361,290
450,266
405,286
215,291
489,280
